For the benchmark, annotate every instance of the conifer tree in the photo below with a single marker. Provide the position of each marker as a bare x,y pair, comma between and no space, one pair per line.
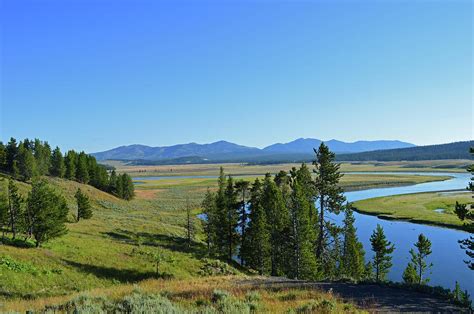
4,217
82,173
256,249
11,154
128,191
221,217
15,202
42,154
84,209
232,218
190,229
119,188
278,225
70,162
242,189
58,167
302,259
26,163
330,197
353,252
418,266
3,157
465,212
382,248
210,222
48,211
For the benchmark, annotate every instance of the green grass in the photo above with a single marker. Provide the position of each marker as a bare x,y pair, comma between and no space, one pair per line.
418,207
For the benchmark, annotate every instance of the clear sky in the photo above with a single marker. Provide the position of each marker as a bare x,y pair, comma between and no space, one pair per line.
97,74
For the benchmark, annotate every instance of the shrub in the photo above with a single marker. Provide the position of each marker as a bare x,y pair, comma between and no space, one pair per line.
216,268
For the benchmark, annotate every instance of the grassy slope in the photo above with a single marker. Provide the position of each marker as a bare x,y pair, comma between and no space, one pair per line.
418,207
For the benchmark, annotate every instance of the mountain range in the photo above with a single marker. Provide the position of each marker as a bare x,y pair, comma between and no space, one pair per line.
223,150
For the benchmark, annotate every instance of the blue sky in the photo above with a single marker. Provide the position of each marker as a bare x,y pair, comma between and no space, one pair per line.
97,74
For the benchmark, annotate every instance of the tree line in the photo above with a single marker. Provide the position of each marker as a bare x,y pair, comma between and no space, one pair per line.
28,159
282,226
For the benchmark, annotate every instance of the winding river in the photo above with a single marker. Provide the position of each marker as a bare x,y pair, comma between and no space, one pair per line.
447,256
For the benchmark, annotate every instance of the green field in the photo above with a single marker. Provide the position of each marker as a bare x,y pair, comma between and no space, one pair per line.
435,208
102,254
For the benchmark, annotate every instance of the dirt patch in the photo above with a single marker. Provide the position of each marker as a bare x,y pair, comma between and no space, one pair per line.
146,194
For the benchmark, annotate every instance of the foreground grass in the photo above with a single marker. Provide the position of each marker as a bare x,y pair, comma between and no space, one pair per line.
435,208
230,294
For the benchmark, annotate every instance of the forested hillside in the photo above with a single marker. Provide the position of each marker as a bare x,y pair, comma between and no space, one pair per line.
458,150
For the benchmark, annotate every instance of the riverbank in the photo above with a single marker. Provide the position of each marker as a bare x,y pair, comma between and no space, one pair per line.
431,208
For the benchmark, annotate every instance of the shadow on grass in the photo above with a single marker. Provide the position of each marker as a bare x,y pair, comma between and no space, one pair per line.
111,273
172,243
21,243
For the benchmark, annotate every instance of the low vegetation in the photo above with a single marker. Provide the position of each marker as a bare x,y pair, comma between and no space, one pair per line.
435,208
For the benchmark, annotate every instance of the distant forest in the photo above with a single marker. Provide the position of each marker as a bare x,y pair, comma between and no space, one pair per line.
458,150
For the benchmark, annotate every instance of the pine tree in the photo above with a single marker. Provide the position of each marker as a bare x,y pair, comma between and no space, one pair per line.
302,259
382,248
465,212
11,154
353,252
221,217
278,225
82,173
84,209
210,222
232,218
70,162
42,154
128,190
330,196
26,163
256,247
119,188
58,168
242,189
48,211
417,266
190,229
4,214
112,188
15,203
3,157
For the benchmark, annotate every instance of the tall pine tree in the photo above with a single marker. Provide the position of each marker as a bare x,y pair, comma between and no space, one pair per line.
58,168
383,249
353,263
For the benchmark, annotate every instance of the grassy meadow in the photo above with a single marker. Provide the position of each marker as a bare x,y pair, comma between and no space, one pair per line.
107,255
435,208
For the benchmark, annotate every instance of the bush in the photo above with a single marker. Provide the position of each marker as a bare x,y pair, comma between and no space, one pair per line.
216,268
323,306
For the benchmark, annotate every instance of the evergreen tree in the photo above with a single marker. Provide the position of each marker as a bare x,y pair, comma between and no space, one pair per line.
70,162
15,202
232,218
330,196
112,182
3,157
84,209
42,154
382,248
302,259
353,252
221,248
465,212
82,173
48,211
119,189
256,249
190,229
58,167
278,225
417,266
242,189
128,191
4,215
11,154
210,222
26,163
